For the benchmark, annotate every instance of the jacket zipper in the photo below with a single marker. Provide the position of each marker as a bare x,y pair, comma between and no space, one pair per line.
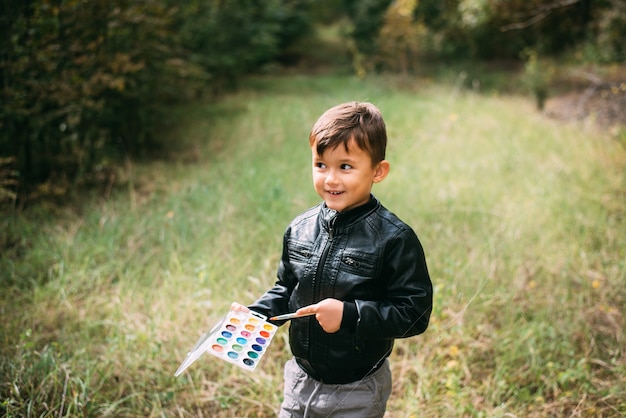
322,260
318,274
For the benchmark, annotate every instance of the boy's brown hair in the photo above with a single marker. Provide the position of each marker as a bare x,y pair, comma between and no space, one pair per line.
361,122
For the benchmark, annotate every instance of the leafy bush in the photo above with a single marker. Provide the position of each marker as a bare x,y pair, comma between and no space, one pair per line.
400,37
605,43
81,77
89,82
538,73
367,18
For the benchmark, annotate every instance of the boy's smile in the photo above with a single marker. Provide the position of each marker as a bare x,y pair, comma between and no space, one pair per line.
344,178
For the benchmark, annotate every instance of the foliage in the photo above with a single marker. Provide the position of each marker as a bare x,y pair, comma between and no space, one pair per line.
399,37
88,83
605,42
538,74
232,38
367,18
488,29
79,76
8,179
496,29
521,218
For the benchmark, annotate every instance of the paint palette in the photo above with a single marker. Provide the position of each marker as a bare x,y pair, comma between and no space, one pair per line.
239,338
242,339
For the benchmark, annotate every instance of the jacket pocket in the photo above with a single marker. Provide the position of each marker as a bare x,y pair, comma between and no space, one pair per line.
357,263
357,278
299,252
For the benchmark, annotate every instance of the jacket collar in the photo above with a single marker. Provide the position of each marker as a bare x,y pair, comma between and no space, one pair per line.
332,218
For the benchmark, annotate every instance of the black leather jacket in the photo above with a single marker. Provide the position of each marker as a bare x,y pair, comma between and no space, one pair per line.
370,260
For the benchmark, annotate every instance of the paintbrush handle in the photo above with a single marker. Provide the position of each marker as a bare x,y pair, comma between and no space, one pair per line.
288,316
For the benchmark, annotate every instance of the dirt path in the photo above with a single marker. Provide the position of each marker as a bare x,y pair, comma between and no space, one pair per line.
603,100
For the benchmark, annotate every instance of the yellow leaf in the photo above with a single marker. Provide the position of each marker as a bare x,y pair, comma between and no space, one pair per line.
454,351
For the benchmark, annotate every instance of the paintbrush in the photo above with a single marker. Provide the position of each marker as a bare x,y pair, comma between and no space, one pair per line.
288,316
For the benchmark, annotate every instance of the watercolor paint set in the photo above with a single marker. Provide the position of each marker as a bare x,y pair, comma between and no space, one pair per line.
239,338
242,339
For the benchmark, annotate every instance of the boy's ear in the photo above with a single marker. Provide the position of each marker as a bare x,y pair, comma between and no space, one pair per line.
381,171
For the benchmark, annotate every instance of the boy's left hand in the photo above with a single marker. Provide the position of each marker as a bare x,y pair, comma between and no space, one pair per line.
328,313
237,307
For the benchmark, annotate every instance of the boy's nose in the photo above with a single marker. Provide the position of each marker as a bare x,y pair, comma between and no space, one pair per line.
331,178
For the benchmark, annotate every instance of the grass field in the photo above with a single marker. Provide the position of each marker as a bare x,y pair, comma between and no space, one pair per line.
523,221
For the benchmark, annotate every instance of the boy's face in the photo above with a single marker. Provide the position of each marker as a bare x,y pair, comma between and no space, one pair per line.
344,179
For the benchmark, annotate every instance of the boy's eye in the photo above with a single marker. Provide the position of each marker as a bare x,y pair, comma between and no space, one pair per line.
320,165
346,166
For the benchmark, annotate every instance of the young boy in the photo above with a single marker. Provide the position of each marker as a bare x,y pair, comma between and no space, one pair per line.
353,264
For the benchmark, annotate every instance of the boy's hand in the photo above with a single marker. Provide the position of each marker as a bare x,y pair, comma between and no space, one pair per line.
328,313
237,307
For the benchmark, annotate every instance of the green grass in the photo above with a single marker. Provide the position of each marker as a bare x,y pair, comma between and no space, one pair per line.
522,220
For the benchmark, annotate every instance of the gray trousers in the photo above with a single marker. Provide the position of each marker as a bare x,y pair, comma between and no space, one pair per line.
305,397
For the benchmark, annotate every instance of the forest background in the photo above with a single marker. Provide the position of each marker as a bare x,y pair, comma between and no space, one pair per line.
87,84
94,92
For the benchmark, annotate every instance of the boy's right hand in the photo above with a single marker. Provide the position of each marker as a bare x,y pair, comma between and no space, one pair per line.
328,312
237,307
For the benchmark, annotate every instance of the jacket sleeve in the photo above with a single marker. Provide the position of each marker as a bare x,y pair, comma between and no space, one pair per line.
404,310
275,301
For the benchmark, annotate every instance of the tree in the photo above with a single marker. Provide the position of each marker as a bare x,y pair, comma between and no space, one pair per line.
399,37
